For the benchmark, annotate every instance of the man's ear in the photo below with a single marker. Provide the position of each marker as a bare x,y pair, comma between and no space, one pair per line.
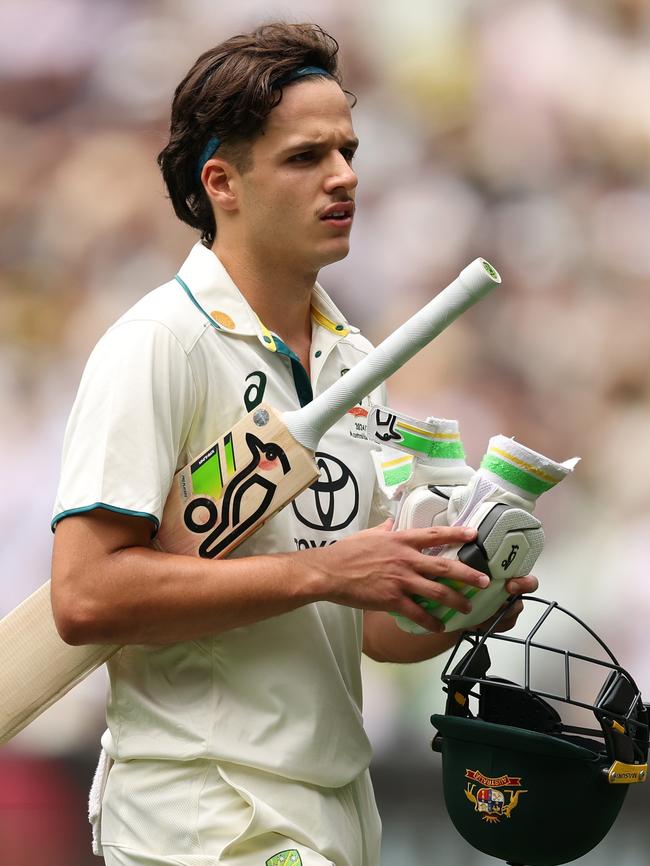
219,179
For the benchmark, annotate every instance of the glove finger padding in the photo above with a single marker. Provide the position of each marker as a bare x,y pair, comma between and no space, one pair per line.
439,489
508,543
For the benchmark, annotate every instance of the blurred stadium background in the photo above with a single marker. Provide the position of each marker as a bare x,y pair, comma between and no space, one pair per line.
514,129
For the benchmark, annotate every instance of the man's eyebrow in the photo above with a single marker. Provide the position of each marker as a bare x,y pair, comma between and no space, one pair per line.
310,144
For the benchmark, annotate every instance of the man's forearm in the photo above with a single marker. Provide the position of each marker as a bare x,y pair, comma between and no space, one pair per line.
384,641
148,597
110,593
110,586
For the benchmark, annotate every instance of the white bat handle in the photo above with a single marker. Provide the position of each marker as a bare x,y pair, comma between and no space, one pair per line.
308,424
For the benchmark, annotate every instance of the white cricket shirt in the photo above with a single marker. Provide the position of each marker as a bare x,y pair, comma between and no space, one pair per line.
173,374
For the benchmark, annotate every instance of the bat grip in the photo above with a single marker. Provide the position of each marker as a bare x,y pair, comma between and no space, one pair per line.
307,425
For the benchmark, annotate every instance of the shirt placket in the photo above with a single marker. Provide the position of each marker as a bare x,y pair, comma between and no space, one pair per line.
323,342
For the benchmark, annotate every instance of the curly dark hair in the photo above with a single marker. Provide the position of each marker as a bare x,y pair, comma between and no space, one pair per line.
229,92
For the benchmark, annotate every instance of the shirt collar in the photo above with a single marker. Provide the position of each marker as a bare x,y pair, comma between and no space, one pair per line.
211,289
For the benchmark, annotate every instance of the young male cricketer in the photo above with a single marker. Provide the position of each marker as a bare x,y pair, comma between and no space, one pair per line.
235,732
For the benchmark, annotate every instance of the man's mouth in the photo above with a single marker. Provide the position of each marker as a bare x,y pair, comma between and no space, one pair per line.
339,214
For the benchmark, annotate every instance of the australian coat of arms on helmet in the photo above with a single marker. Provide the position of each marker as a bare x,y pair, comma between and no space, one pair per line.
494,798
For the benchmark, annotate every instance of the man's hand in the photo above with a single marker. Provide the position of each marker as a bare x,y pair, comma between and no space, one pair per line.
380,570
384,641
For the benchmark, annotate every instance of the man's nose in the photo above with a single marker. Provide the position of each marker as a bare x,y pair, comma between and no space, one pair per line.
341,175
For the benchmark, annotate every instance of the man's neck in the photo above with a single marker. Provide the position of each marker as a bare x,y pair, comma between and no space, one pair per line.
280,297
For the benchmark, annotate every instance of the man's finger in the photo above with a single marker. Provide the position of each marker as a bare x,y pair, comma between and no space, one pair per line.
420,616
522,585
451,569
437,536
445,596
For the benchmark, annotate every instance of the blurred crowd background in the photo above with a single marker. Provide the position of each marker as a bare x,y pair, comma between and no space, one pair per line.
514,129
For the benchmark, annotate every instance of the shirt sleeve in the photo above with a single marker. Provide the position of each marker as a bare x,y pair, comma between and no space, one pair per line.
127,427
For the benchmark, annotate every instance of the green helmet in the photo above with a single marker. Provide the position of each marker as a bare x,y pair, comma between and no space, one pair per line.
511,765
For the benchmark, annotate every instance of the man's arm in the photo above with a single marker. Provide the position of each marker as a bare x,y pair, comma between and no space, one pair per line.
110,586
384,641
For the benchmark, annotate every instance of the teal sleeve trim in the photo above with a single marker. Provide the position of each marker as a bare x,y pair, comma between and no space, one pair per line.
198,306
106,507
300,378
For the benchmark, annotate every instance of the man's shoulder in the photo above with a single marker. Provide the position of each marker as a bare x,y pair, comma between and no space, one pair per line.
168,307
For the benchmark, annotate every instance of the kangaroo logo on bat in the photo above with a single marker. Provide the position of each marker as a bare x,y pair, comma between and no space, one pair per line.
245,495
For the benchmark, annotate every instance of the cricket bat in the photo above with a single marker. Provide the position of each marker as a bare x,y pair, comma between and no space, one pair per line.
220,498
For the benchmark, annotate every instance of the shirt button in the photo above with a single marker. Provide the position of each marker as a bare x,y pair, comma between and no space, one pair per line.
318,354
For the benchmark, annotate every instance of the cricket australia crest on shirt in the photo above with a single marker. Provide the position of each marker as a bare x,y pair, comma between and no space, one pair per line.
496,797
285,858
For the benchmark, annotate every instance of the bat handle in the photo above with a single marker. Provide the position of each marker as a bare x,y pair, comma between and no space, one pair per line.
307,425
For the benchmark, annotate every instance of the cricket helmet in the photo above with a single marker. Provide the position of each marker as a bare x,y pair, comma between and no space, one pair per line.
521,783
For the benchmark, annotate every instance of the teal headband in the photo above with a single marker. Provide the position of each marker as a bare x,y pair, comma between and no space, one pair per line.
214,141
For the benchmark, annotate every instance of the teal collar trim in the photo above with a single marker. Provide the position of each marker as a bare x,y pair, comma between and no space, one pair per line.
300,377
198,306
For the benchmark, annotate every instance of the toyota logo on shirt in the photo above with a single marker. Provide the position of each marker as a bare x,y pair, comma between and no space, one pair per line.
332,502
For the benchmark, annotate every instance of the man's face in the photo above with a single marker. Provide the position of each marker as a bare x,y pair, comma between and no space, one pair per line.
297,200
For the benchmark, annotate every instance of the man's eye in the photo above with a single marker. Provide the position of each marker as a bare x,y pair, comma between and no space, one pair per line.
304,156
348,154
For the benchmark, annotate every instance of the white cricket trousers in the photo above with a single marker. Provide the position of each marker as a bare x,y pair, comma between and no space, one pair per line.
200,813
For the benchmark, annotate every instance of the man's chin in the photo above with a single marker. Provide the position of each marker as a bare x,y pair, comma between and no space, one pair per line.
335,252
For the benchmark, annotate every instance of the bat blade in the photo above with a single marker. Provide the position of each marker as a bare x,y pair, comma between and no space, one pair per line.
37,667
234,486
231,489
